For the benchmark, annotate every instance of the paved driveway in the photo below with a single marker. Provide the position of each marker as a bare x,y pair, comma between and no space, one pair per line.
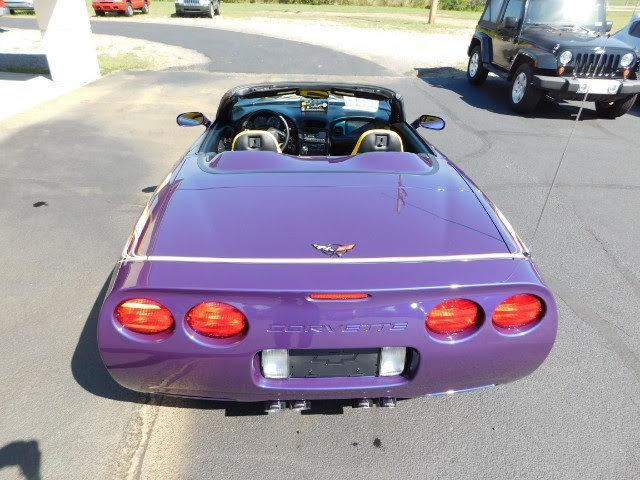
93,157
232,51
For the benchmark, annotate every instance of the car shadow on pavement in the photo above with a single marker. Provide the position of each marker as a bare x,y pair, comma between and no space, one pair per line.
91,374
493,95
23,454
86,364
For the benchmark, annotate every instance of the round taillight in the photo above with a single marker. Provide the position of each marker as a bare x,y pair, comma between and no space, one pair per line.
217,320
518,311
453,316
142,315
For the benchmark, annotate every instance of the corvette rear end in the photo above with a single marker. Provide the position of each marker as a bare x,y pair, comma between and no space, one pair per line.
288,286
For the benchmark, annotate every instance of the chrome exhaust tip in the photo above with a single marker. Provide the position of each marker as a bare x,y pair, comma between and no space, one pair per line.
274,406
300,405
363,403
387,402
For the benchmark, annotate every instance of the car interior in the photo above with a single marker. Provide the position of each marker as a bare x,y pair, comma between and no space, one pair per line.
303,126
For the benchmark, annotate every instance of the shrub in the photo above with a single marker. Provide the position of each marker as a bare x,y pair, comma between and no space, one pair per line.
461,4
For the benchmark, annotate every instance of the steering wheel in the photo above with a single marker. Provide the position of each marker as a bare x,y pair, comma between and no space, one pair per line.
270,122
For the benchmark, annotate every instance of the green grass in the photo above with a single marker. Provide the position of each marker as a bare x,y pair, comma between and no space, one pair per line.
619,19
115,63
623,3
108,64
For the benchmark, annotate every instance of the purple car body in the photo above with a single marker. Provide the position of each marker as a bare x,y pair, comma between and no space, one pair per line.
238,228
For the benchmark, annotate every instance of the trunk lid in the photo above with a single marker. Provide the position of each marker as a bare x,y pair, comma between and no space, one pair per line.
282,215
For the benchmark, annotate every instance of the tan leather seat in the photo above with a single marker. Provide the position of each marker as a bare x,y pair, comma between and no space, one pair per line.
259,140
378,140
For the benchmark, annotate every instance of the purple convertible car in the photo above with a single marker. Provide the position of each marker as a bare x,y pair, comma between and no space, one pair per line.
312,245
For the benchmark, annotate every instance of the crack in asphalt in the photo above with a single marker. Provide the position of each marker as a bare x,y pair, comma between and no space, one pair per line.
612,339
139,430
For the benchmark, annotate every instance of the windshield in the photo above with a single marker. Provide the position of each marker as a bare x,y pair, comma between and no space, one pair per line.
587,13
334,105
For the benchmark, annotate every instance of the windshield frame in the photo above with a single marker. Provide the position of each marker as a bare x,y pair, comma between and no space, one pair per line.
383,107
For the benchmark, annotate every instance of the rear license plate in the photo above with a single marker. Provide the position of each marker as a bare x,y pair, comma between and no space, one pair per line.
361,362
598,87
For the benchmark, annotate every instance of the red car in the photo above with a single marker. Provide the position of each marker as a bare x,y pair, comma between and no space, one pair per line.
124,7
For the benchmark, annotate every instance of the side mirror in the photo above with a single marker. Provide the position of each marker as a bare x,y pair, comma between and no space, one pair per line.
192,119
608,25
510,23
429,121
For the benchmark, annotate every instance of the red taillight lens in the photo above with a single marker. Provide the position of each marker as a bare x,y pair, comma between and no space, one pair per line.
453,316
217,320
518,311
339,296
142,315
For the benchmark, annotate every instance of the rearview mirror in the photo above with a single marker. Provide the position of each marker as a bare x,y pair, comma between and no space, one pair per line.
510,22
608,25
429,121
192,119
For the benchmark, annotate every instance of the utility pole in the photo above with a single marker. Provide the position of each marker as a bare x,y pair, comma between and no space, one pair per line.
433,11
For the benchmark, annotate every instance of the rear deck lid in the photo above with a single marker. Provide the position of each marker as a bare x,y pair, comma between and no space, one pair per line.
294,216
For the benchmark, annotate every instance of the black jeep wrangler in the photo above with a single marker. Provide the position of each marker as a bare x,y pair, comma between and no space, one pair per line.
560,48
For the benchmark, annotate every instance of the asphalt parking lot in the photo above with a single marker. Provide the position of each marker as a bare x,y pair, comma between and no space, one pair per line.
75,176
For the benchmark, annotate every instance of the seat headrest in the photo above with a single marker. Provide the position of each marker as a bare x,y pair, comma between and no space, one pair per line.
256,140
378,140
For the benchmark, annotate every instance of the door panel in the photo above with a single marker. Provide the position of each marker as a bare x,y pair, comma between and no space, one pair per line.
505,42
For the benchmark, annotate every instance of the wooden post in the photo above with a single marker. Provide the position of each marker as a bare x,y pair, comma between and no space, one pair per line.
433,11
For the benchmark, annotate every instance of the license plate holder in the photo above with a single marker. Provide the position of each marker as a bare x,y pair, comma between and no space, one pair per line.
360,362
598,86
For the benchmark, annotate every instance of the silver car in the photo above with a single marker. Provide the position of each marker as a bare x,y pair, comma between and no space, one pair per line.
208,8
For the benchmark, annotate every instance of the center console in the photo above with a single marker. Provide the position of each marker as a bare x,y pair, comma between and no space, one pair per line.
312,133
313,142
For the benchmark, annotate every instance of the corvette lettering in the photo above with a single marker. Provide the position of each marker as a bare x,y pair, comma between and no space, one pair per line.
346,328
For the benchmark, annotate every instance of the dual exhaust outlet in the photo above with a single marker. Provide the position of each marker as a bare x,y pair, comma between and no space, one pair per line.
274,406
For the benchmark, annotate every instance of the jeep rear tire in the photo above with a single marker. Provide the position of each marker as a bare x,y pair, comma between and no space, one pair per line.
99,13
476,73
524,95
616,108
145,8
216,11
12,11
128,12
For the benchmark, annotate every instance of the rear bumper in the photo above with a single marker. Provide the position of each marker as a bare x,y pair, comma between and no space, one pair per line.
109,6
193,9
569,87
186,364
